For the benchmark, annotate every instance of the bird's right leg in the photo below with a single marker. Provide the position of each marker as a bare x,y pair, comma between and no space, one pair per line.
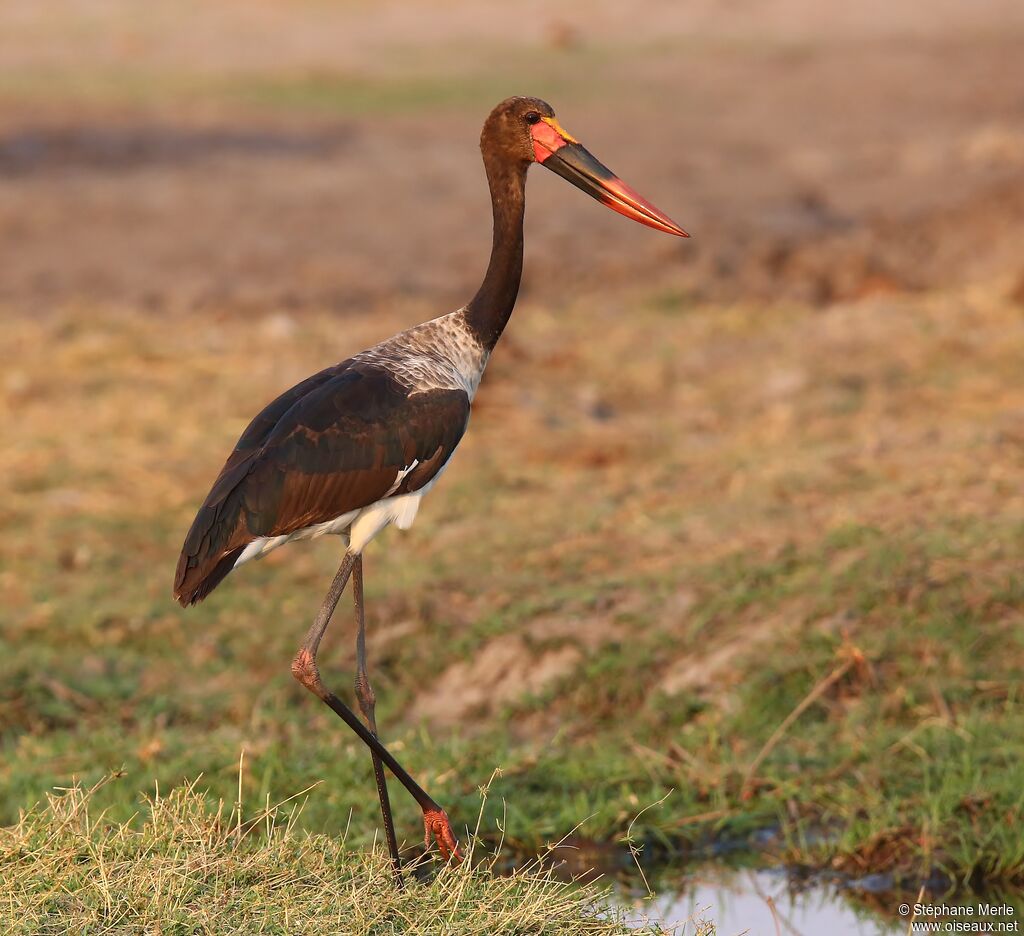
367,705
304,669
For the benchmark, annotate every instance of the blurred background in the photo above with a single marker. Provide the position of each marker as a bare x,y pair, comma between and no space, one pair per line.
707,480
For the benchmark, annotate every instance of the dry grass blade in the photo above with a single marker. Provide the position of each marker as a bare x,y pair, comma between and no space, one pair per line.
819,689
184,869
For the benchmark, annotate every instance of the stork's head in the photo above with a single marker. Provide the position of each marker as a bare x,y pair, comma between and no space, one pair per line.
524,130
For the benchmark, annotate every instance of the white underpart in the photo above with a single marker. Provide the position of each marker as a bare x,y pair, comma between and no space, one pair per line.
358,526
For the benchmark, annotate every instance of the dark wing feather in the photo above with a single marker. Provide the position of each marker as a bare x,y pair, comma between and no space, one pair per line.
335,442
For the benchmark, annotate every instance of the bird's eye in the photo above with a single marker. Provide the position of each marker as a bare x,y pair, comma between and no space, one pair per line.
532,117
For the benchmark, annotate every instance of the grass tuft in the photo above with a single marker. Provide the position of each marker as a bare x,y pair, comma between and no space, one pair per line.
194,867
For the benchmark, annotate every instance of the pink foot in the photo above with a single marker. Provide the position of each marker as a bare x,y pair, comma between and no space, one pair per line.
439,829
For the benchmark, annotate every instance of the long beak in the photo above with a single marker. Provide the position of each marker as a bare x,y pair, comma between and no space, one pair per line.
560,153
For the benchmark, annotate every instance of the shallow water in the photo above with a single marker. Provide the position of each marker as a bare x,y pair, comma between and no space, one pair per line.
740,902
779,902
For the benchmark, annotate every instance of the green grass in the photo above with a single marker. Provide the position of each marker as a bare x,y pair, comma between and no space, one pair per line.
405,85
921,741
189,866
337,93
759,553
402,78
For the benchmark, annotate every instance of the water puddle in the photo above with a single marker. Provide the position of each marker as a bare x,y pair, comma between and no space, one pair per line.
727,889
776,902
765,903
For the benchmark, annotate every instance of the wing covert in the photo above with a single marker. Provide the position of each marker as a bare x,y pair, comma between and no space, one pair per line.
336,442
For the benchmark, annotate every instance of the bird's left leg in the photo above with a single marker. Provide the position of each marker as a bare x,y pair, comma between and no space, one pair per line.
305,670
367,705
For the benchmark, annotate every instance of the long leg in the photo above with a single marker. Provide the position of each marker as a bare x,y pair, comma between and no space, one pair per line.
305,670
367,705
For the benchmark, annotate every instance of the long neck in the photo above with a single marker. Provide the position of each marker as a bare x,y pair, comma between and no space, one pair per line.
488,311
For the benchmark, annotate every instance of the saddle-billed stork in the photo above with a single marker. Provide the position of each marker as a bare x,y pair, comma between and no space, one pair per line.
355,447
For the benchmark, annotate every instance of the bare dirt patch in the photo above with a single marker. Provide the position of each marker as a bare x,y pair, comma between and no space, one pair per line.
503,670
815,164
711,667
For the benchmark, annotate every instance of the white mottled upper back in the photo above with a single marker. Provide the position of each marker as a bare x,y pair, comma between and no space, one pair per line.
441,354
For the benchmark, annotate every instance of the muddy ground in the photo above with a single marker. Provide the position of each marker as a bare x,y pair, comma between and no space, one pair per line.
162,160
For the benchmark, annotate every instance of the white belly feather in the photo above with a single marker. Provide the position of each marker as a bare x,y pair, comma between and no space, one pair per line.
359,526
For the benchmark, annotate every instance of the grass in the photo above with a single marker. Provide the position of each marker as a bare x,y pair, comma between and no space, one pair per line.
191,866
643,628
337,93
399,81
703,577
399,77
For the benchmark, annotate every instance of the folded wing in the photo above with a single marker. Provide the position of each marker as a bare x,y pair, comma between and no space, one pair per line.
337,442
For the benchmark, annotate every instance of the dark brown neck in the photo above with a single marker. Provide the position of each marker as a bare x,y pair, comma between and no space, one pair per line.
488,311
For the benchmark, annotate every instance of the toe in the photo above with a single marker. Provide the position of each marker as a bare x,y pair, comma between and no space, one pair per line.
439,829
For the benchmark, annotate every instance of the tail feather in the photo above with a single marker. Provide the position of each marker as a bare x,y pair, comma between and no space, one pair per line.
216,538
192,585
